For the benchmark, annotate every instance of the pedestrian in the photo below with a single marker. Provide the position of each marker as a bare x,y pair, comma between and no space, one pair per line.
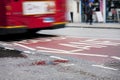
89,13
114,14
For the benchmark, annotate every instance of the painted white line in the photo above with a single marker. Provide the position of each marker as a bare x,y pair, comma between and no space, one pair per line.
9,48
24,46
108,41
56,57
79,47
59,51
96,55
115,57
76,50
70,45
52,49
104,67
81,54
48,51
4,44
67,64
27,52
89,44
44,49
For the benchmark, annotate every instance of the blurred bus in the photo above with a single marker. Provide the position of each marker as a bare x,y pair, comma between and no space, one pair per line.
19,16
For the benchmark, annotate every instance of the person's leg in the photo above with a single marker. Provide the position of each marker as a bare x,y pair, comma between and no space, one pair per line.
71,14
87,18
91,20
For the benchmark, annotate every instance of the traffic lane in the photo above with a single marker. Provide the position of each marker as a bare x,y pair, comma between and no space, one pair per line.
94,49
84,69
85,32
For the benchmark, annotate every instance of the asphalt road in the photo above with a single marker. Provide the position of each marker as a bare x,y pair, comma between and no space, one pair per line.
85,32
63,54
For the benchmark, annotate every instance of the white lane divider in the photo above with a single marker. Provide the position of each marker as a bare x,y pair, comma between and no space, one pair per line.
45,49
52,49
94,55
24,46
115,57
27,52
9,48
102,66
56,57
81,54
67,64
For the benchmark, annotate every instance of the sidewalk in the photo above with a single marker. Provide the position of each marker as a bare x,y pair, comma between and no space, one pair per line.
95,25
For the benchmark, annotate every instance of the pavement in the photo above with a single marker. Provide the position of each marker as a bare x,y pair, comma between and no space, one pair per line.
95,25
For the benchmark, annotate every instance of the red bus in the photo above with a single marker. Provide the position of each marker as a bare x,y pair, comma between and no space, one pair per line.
19,16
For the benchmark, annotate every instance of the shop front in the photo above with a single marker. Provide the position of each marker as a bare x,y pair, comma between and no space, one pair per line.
98,8
112,10
104,11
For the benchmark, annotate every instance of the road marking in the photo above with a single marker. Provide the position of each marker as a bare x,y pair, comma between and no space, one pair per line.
76,50
80,47
9,48
27,52
4,44
115,57
101,66
24,46
59,51
96,55
56,57
52,49
96,44
67,64
68,52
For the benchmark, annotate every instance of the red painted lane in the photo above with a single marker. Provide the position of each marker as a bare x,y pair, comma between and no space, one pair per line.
109,50
50,42
87,48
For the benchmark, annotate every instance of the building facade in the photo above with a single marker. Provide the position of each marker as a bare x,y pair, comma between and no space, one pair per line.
105,11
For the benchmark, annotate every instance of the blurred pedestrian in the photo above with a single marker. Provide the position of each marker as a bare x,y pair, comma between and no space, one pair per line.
114,14
89,13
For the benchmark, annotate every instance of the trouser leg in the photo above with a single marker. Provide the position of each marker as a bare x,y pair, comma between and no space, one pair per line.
87,18
71,14
90,17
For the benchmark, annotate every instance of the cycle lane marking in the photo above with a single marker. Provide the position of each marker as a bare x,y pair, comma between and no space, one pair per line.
104,67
